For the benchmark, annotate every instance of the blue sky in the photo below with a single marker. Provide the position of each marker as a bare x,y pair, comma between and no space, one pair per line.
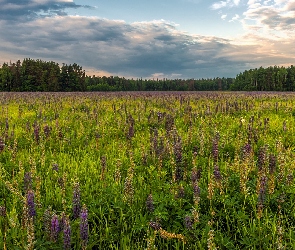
155,38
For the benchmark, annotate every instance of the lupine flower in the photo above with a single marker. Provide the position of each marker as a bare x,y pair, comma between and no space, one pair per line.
217,174
196,190
27,181
261,158
2,145
246,151
7,124
37,133
47,130
55,167
188,222
84,226
31,203
215,147
47,216
180,193
67,234
76,201
2,211
150,203
262,190
196,175
55,229
177,147
155,225
272,163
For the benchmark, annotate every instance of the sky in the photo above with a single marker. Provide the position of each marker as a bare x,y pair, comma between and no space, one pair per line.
151,39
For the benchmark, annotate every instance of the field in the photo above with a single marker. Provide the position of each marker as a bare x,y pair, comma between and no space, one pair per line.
147,170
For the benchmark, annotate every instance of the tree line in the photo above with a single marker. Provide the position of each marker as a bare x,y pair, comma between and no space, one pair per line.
273,78
38,75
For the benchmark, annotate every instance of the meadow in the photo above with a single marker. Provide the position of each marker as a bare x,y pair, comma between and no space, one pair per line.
147,170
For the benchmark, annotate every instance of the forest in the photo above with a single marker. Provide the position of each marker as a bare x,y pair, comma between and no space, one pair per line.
38,75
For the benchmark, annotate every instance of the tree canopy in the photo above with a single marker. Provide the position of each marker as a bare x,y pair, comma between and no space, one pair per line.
38,75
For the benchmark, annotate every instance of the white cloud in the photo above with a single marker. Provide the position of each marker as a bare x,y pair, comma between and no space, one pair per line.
223,4
223,17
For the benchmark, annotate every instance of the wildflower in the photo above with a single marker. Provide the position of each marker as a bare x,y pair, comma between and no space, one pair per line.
55,167
261,158
217,174
2,145
155,225
215,147
76,201
150,203
47,130
47,220
31,203
196,175
246,151
272,163
188,222
37,133
180,193
67,233
27,181
197,191
84,226
177,147
2,211
262,190
55,228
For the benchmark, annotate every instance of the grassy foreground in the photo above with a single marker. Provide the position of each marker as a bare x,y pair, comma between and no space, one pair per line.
147,170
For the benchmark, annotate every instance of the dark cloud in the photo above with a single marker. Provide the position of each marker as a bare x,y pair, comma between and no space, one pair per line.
30,9
138,50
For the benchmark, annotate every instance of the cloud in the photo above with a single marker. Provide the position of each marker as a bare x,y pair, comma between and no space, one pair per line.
30,9
223,4
274,19
141,49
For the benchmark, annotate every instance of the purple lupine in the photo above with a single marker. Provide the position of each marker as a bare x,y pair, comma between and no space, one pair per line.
37,133
47,220
2,211
196,190
2,145
196,175
262,190
55,167
150,203
155,225
67,233
47,131
246,151
76,201
215,147
84,226
188,222
27,181
180,192
217,174
272,163
31,203
177,147
261,158
55,228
